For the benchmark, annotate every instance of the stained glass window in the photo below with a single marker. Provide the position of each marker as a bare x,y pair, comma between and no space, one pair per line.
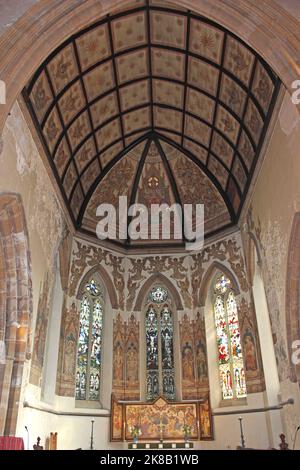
158,295
231,365
90,343
159,346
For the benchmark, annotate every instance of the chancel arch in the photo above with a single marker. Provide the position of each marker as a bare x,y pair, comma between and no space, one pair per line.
16,292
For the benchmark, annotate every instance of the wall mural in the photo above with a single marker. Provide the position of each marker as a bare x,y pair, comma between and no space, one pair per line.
251,347
194,378
41,326
270,243
129,275
66,368
126,384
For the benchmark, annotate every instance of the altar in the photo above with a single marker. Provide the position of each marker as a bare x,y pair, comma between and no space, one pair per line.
160,445
161,421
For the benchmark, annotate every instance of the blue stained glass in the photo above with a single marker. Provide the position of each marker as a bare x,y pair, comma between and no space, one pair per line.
158,295
92,288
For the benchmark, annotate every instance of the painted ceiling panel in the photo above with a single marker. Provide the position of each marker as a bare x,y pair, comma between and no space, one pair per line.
155,75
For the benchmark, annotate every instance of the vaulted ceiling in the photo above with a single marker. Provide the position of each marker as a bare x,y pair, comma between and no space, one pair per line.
156,104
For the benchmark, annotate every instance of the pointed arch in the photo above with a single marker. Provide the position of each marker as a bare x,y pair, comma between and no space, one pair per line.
157,277
107,284
207,278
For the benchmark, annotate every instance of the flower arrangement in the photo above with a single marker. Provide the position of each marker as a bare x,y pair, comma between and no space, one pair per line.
187,431
135,432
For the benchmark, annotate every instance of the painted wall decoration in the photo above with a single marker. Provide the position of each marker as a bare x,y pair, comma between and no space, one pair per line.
161,420
206,422
187,349
118,385
117,421
132,380
194,370
41,327
65,381
201,366
271,245
88,257
186,273
251,347
125,382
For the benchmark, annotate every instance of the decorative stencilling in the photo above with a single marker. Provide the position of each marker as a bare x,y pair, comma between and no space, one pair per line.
152,71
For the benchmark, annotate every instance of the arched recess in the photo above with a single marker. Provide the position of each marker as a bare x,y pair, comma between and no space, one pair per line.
108,284
293,293
208,276
157,278
48,23
15,306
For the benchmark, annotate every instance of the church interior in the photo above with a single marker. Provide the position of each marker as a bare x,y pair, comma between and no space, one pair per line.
132,343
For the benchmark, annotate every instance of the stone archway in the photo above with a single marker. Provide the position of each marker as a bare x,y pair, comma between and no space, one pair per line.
15,306
47,23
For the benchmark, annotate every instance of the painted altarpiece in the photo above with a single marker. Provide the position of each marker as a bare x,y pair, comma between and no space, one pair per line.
161,420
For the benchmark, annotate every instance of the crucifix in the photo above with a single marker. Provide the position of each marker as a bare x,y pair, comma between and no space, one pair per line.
161,428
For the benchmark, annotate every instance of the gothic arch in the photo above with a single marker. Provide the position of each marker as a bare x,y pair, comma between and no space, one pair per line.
15,306
47,23
207,278
293,291
107,282
158,277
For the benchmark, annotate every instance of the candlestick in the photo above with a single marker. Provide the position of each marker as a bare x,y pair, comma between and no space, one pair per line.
92,435
242,434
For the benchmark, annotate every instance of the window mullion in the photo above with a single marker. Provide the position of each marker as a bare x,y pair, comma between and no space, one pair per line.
229,348
91,303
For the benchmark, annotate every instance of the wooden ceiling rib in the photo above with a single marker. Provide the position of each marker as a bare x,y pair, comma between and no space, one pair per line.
155,74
